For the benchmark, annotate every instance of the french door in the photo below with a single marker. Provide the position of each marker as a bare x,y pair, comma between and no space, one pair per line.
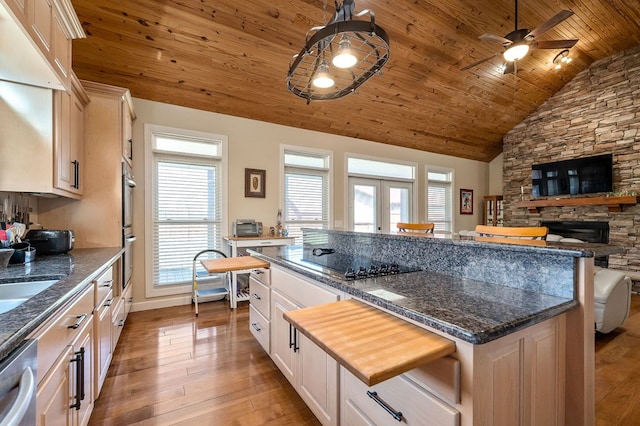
377,205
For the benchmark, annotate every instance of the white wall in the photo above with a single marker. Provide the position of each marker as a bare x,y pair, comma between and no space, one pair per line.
495,175
255,144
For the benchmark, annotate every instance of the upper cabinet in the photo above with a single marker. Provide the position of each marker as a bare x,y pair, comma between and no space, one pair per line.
39,33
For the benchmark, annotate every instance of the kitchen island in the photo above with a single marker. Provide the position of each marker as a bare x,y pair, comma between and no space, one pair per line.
505,305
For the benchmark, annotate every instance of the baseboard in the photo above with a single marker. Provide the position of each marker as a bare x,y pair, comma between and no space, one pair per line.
162,303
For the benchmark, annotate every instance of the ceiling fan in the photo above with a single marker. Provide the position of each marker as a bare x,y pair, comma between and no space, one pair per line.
519,42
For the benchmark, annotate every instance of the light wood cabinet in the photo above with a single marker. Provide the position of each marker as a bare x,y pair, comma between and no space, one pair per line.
65,364
69,138
41,33
102,327
102,173
311,371
493,210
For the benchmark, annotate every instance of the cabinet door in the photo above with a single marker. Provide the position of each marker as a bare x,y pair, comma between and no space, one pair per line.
127,133
40,15
82,376
282,336
68,147
104,350
318,380
52,400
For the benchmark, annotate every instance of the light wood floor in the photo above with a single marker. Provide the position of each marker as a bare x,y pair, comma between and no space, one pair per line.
170,368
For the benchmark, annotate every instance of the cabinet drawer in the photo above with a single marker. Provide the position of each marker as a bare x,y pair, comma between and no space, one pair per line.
302,291
416,405
63,329
117,321
259,327
260,299
104,284
262,274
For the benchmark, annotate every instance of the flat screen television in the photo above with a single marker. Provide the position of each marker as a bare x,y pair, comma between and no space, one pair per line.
585,175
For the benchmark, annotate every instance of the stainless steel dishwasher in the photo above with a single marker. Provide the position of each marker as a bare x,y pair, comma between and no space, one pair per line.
18,386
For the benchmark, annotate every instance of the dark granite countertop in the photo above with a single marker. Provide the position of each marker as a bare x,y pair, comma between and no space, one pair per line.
471,310
75,270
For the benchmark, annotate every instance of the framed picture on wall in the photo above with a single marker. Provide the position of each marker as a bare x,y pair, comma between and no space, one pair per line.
254,181
466,201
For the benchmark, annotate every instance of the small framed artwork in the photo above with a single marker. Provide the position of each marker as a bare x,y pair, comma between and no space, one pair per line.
466,201
254,183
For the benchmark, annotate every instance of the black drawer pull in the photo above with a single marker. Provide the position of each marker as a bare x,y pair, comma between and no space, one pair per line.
79,318
107,283
108,303
257,296
395,414
256,326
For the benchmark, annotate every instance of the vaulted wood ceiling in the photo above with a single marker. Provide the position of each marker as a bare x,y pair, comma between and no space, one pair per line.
232,57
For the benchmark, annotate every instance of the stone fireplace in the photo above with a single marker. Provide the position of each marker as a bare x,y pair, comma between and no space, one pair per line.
597,112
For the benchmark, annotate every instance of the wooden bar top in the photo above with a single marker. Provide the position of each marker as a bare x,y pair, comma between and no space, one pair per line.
371,344
227,264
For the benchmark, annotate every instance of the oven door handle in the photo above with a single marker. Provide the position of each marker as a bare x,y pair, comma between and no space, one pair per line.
21,405
130,239
131,183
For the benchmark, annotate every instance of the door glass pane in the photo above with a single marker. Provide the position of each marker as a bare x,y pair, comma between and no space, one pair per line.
398,206
364,208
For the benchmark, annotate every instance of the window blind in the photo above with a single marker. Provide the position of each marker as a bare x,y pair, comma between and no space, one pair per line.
439,205
186,214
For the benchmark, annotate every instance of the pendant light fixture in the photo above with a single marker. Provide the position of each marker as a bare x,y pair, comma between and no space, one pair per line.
338,57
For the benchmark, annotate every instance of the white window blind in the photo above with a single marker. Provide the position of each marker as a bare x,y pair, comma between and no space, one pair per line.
440,200
306,190
186,212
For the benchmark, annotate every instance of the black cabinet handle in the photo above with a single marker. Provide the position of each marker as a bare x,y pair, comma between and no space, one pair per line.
76,174
257,296
79,360
290,336
107,283
79,318
296,348
256,326
108,302
395,414
130,149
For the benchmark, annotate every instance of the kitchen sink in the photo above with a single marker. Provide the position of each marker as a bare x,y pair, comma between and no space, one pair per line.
14,294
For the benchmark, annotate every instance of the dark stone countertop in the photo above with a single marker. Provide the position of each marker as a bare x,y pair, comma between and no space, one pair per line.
473,311
75,270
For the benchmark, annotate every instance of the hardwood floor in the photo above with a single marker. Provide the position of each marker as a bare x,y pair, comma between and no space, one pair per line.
170,368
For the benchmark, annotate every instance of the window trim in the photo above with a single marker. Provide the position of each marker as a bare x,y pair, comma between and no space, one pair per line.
440,169
303,150
152,291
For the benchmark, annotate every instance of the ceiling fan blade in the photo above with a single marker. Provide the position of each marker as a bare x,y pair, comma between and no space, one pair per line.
495,38
478,62
509,67
546,26
554,44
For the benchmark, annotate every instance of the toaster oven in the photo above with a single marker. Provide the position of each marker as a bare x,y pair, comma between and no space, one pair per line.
247,228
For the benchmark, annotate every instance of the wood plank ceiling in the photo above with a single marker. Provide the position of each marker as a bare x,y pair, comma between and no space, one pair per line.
232,57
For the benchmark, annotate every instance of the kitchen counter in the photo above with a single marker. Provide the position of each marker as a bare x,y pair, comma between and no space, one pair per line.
74,270
471,310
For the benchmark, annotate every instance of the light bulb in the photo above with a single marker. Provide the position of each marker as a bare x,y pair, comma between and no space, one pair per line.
516,52
558,66
322,79
345,57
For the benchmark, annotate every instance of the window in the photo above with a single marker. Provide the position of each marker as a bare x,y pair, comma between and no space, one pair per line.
185,201
306,191
440,198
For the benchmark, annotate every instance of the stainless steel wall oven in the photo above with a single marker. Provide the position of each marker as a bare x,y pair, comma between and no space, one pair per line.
128,184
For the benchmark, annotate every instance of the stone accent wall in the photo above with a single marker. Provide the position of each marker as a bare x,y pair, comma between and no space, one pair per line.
597,112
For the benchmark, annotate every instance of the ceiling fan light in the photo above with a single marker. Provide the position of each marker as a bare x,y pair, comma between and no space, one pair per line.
516,52
322,79
345,57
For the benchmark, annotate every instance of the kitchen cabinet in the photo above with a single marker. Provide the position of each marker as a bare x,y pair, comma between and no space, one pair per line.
102,324
49,123
97,219
311,371
40,33
65,363
260,306
69,137
493,210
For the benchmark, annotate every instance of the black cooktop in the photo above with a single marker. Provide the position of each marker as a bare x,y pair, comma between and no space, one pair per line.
344,266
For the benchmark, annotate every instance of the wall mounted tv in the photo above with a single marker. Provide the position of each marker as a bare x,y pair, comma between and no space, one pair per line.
585,175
